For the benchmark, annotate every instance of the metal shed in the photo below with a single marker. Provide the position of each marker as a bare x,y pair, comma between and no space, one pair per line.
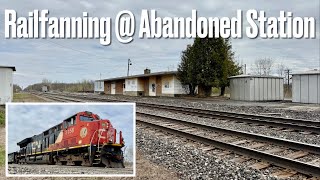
256,88
6,86
306,87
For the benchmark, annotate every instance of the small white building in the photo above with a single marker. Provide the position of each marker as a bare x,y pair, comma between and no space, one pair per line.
45,88
98,86
306,87
256,88
6,85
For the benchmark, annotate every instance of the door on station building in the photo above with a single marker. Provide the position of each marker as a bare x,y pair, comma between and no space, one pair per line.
152,86
158,86
113,88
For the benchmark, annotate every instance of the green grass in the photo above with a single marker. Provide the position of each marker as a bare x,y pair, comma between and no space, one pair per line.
2,117
2,156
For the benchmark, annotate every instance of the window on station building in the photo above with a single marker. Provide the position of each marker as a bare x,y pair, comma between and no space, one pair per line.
153,87
167,85
124,85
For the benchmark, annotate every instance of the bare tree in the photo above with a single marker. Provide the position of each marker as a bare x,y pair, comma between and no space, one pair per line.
281,69
263,66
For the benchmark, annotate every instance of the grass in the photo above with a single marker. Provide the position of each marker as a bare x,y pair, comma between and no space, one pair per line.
2,156
2,117
26,97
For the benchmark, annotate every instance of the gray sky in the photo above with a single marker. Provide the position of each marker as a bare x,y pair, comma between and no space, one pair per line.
73,60
28,120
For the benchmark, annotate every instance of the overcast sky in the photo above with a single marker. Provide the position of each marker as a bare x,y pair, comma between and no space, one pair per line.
28,120
73,60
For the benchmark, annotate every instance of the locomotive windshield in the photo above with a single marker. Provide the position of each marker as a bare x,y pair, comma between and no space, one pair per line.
86,118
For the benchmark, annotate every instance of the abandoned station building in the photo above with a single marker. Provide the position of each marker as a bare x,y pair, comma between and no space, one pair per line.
147,84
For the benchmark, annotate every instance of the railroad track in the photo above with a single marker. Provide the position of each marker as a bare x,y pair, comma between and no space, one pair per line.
287,124
264,148
269,150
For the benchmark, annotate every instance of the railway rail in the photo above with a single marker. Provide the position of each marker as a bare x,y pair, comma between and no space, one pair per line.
243,143
306,126
246,144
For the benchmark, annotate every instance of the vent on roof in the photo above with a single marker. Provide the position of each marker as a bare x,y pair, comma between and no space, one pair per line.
147,71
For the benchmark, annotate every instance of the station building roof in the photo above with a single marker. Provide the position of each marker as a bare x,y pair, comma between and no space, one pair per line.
10,67
315,71
141,75
254,76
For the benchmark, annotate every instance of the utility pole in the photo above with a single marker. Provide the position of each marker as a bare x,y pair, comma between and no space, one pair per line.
100,82
245,68
288,74
129,64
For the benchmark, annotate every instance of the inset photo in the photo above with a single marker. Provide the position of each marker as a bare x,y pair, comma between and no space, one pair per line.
70,139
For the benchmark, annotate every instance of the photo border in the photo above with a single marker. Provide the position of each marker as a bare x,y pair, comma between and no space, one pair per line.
73,175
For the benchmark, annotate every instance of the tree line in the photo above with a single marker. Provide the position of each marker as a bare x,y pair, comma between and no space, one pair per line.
80,86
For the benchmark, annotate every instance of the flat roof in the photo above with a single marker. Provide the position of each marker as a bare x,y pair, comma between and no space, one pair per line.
254,76
315,71
10,67
141,75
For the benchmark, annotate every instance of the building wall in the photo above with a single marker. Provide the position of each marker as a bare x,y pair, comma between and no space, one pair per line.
256,89
98,86
6,86
134,87
305,88
107,87
178,87
167,85
119,86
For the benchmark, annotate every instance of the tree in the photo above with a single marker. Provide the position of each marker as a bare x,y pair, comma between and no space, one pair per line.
281,69
207,63
263,66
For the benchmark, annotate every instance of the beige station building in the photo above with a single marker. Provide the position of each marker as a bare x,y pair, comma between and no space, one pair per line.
147,84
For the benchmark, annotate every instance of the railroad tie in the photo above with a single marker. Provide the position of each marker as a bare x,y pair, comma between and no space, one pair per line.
260,165
258,145
208,148
241,142
240,159
283,174
274,150
297,154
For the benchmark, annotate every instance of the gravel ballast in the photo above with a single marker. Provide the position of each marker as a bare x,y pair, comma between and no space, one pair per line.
264,130
192,163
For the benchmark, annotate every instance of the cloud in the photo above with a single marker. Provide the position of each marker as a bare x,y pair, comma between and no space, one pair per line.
27,120
73,60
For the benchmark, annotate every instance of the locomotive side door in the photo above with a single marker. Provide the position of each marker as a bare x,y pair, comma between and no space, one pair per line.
69,132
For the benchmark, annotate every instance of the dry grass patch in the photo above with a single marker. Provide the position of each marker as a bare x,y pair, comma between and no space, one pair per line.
26,97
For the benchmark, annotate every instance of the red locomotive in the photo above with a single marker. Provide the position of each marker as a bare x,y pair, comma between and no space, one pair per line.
82,139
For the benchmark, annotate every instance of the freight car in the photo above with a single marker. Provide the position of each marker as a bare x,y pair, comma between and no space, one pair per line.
82,139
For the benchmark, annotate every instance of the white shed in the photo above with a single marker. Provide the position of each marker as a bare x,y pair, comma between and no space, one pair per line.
98,86
6,85
306,87
256,88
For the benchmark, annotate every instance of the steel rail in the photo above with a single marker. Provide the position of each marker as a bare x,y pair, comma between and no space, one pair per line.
297,124
315,149
298,166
